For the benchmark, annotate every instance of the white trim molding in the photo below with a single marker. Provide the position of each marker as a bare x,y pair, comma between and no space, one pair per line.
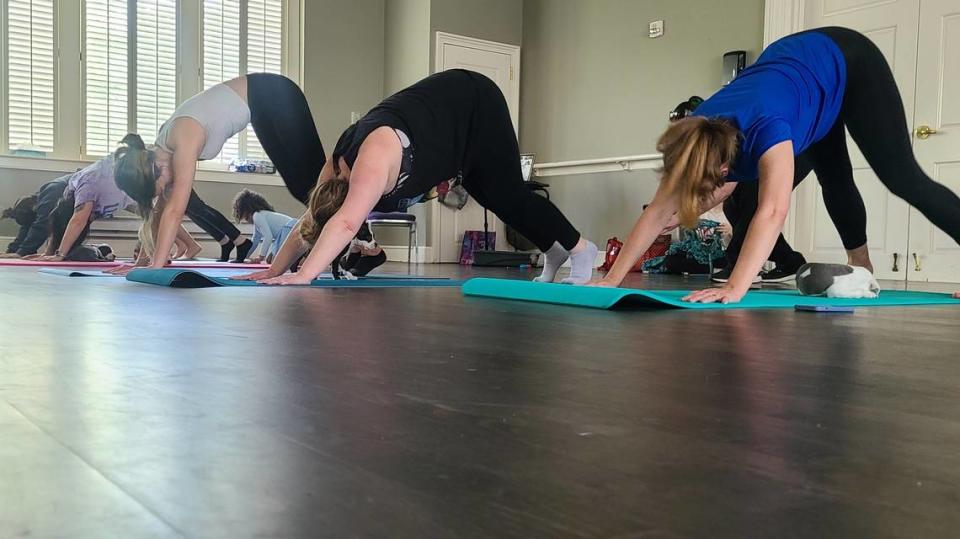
594,166
781,18
66,166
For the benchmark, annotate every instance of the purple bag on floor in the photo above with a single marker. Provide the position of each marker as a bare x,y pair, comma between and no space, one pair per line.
473,240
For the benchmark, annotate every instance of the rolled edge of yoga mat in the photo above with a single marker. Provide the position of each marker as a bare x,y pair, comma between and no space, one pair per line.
558,294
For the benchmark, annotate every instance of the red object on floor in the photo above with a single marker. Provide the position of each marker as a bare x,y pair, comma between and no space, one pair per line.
614,245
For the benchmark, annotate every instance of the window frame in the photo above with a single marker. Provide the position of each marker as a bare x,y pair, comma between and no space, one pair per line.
70,81
5,79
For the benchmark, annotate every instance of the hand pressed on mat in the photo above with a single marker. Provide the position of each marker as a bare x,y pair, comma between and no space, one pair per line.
290,279
723,294
256,275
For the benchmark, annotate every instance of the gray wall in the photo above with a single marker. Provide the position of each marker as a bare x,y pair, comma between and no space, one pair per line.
343,61
594,85
494,20
406,43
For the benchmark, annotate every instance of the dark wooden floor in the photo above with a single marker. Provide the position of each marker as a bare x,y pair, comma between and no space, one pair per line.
136,411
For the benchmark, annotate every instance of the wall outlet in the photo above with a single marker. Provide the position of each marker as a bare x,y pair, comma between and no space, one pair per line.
656,29
355,117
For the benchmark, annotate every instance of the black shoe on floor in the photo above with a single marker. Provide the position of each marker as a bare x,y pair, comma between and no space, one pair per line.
722,276
366,264
777,275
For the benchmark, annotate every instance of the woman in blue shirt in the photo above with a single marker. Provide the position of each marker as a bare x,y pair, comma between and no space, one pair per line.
797,98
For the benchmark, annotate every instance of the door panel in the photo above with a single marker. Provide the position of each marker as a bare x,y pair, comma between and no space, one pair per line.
938,106
892,25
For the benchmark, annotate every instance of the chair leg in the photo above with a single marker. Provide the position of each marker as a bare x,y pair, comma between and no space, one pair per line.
409,245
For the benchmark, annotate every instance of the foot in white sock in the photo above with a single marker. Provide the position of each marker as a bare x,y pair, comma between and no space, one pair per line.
552,260
582,260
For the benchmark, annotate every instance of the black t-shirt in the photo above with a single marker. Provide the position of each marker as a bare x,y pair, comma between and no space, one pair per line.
436,114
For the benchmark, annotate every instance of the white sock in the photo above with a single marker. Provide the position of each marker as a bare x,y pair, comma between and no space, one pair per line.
581,264
552,260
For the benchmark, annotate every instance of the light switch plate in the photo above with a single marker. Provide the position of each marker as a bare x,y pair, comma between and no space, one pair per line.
656,29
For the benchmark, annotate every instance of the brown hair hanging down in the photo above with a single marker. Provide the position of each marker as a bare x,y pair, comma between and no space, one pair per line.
695,149
23,210
325,199
134,172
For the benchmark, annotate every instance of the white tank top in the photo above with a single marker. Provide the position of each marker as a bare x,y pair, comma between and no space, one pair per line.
219,110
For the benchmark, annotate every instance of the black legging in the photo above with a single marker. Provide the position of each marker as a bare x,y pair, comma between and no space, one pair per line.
281,118
492,175
740,208
873,112
210,220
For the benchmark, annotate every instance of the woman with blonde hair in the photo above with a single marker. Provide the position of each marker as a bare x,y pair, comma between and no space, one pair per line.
197,131
797,98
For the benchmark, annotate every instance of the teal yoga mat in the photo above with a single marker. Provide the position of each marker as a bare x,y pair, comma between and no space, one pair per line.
181,278
608,298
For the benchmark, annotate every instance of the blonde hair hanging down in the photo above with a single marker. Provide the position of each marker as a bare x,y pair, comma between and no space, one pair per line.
695,150
326,198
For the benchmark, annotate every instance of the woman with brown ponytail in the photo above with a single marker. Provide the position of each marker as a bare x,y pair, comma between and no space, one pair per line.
197,130
797,98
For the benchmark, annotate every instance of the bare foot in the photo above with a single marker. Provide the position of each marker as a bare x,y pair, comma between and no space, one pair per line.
860,257
191,252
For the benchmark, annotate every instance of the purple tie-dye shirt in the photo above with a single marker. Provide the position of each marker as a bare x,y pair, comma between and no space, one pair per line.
95,184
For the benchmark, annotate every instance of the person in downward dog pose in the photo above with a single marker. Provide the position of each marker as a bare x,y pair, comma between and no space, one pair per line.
797,98
270,227
197,130
453,123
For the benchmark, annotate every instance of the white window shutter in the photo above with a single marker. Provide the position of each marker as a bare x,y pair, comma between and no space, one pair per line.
264,51
156,96
221,54
105,73
30,80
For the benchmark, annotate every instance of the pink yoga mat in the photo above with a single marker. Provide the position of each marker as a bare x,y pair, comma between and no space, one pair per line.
14,262
193,264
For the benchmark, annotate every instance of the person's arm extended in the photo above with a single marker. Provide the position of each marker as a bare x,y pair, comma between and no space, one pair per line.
261,234
650,224
776,187
81,216
188,137
292,249
368,181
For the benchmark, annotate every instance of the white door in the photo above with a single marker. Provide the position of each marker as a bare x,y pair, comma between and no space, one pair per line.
892,25
501,63
938,107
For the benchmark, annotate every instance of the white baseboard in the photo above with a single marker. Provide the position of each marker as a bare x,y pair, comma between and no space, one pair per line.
398,253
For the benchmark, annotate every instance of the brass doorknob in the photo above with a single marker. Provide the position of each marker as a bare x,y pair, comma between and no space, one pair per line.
924,131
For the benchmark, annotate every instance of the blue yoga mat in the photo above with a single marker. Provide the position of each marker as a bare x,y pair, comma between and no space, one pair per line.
182,278
608,298
76,273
